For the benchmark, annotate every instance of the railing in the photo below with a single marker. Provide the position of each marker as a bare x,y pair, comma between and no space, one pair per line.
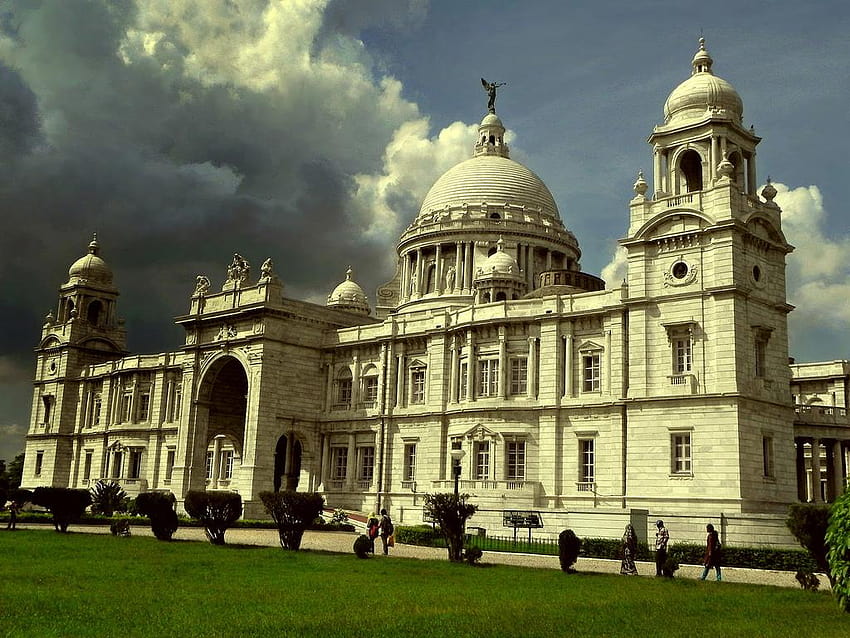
585,486
364,484
341,406
692,200
485,485
409,485
336,484
367,405
821,414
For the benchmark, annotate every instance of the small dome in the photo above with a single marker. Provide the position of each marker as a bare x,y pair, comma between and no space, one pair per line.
491,119
500,263
349,296
91,269
702,92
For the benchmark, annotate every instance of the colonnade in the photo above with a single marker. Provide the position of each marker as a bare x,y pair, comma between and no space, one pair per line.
821,474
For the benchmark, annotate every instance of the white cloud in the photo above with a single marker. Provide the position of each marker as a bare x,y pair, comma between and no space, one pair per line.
617,269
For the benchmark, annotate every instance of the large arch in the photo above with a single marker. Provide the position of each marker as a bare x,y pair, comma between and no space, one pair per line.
287,463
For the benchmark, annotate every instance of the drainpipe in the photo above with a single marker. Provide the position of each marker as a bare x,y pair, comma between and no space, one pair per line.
382,434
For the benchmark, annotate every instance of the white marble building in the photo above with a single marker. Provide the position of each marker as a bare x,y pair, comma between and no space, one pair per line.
665,394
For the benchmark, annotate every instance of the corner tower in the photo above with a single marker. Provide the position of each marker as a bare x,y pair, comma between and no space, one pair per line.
707,310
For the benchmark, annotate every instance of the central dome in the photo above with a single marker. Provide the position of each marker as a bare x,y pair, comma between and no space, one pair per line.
493,179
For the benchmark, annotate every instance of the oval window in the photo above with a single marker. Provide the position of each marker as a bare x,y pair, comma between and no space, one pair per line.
680,270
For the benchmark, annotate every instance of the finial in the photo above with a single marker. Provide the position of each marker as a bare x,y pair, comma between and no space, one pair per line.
768,192
491,87
640,185
94,247
500,244
348,274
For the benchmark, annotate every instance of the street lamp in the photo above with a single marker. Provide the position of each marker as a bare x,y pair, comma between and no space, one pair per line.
457,455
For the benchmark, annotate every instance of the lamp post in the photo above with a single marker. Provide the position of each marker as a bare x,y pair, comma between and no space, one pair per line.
457,455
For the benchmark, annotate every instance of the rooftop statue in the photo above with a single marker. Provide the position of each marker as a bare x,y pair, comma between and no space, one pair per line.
491,87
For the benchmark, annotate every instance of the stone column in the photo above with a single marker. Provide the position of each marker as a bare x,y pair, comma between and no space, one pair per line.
569,382
814,478
801,470
714,160
438,270
656,161
503,363
399,386
329,389
606,382
216,462
453,376
751,174
326,455
470,365
458,275
462,273
419,272
531,379
351,462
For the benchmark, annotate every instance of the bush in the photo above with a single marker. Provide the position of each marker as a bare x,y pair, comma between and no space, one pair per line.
108,497
838,557
215,510
808,524
362,546
19,496
671,564
472,555
120,527
423,535
451,514
159,508
340,517
293,512
66,505
569,546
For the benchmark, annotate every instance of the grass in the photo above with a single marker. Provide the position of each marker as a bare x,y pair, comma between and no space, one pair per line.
91,585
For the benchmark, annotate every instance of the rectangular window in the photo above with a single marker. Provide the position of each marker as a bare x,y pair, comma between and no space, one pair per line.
682,355
87,465
482,460
209,464
126,402
515,460
226,470
117,463
366,464
760,357
343,393
135,469
370,390
488,377
592,376
519,376
680,445
175,404
47,401
409,461
463,381
417,385
144,406
169,464
767,455
94,415
587,461
339,463
39,461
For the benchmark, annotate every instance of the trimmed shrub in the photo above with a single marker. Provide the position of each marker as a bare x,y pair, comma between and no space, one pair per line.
569,546
808,524
362,546
159,508
293,512
838,557
423,535
19,496
451,515
66,505
215,510
108,497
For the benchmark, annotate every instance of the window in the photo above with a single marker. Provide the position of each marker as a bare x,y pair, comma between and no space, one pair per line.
343,390
587,460
767,455
591,380
409,461
47,401
117,463
144,406
681,355
488,377
463,380
94,414
135,469
175,404
417,385
209,464
169,465
760,357
680,445
515,460
226,471
126,402
339,463
370,390
39,462
519,375
87,465
482,460
366,464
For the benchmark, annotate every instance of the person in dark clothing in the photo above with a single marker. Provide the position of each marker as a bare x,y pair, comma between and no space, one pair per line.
387,529
662,537
372,529
712,552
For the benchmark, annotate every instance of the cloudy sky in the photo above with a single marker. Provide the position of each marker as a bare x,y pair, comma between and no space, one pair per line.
309,130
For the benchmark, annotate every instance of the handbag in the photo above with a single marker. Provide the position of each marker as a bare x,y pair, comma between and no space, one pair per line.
391,540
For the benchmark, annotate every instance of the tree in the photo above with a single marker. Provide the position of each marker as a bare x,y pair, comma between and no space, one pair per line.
569,546
215,510
107,497
838,556
450,513
159,508
66,505
15,471
808,524
293,512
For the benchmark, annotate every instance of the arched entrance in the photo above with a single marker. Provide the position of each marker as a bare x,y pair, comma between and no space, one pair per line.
224,396
287,463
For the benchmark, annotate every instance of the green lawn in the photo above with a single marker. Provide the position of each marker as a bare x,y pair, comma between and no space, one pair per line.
90,585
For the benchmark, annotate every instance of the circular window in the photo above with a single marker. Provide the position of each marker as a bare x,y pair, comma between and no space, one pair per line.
680,270
756,273
52,367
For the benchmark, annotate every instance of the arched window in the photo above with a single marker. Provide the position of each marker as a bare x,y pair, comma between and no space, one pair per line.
370,387
94,312
431,279
500,296
691,166
738,172
486,297
343,389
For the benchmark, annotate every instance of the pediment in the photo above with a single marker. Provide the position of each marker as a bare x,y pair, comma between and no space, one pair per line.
589,345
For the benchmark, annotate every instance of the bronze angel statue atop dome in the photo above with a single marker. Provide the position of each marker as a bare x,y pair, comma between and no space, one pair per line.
491,87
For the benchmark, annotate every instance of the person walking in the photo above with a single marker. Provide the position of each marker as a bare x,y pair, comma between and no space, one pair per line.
630,541
662,537
712,552
14,507
387,529
372,530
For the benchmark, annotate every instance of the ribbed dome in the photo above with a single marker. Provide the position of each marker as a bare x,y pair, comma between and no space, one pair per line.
90,268
349,296
500,262
492,179
702,92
